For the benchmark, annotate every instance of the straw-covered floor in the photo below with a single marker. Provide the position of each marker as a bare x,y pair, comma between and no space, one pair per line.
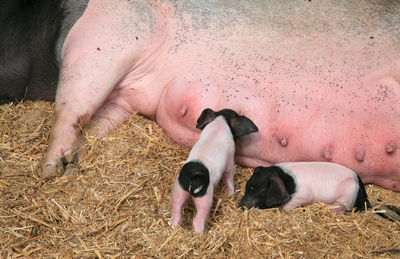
119,204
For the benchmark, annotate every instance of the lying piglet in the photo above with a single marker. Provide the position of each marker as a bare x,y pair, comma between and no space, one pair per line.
294,184
210,158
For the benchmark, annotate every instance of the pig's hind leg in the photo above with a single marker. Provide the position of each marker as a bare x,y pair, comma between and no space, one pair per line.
203,206
94,61
344,196
338,207
179,197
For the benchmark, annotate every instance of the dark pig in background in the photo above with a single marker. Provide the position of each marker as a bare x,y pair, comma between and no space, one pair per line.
32,33
293,184
211,158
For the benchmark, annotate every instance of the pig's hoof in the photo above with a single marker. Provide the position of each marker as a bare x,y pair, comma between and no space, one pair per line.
229,191
59,167
199,231
52,170
175,221
199,228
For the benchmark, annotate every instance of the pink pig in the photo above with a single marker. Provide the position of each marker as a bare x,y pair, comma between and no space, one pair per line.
293,184
210,158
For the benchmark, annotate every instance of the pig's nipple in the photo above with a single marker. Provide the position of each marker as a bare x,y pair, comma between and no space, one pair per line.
391,148
183,111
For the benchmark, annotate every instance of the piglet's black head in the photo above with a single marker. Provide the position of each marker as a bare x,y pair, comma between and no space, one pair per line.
194,178
239,125
267,188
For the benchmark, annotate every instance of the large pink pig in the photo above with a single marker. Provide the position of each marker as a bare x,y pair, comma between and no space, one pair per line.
211,158
320,79
293,184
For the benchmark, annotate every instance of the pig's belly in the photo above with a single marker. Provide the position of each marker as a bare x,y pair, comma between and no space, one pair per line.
319,87
305,126
311,100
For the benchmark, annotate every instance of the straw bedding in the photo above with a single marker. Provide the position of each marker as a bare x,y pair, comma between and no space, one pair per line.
116,204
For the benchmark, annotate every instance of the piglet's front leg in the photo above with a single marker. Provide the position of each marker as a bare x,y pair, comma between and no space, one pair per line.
228,177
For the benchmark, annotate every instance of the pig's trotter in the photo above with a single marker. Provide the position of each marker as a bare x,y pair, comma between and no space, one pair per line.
199,224
52,169
338,207
62,148
60,166
176,219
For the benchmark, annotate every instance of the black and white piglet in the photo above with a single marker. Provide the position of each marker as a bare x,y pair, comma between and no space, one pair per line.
211,158
293,184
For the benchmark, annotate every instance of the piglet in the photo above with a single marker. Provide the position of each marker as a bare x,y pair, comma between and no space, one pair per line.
211,158
293,184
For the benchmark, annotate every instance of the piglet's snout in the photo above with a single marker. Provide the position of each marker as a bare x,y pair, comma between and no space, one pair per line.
248,202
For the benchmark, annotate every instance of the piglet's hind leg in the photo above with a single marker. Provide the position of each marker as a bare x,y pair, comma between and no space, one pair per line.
344,196
203,206
179,197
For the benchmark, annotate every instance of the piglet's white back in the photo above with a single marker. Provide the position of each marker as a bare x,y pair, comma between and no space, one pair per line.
325,182
215,148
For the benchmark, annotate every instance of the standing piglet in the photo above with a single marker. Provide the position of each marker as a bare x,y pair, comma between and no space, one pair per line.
294,184
210,158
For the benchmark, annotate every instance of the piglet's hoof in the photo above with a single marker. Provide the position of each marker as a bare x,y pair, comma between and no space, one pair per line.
390,212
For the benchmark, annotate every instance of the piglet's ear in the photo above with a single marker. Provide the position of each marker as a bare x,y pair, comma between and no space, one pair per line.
206,117
241,126
276,194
